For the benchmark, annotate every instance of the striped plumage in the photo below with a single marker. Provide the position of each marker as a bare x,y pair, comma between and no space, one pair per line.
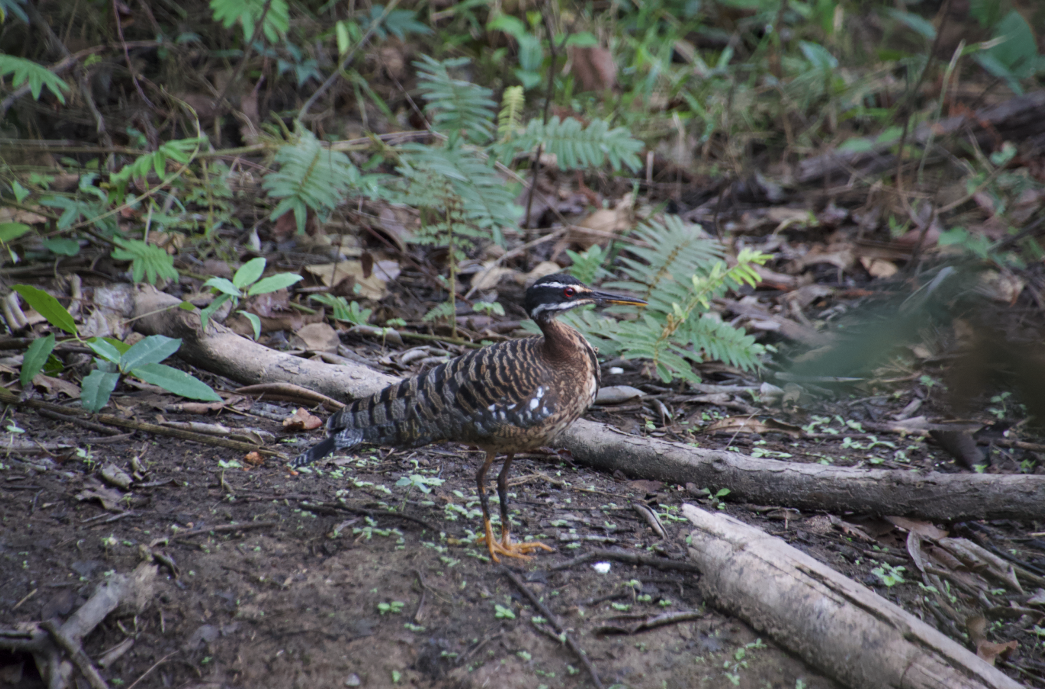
504,398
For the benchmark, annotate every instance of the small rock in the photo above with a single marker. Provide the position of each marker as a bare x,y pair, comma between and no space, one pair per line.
353,680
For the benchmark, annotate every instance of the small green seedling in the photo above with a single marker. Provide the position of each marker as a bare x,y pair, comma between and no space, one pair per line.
247,282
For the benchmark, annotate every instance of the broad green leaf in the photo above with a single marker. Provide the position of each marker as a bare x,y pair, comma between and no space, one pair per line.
273,283
854,145
513,26
249,272
12,230
255,322
1019,49
62,246
583,39
211,308
35,358
48,307
151,350
223,286
178,382
96,389
105,350
915,23
189,306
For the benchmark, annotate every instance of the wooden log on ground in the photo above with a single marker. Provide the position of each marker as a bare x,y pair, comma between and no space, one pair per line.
1016,120
835,624
762,481
908,493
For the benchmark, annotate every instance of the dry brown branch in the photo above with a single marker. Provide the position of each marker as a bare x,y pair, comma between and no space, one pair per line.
835,624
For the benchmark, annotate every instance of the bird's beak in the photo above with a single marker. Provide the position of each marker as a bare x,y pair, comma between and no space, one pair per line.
607,298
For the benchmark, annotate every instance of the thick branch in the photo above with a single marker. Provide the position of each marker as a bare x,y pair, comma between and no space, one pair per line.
842,628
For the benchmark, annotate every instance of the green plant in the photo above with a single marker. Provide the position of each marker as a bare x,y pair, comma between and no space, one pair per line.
38,77
889,575
116,359
395,607
276,18
247,282
342,310
678,273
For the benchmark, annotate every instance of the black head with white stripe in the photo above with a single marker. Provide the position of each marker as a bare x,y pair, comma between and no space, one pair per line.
555,294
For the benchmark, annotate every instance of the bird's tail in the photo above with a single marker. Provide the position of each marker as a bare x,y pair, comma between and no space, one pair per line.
385,418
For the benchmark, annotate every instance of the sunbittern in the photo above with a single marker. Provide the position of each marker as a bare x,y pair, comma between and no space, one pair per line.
504,398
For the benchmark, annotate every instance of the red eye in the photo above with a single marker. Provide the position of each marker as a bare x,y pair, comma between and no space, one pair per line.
569,292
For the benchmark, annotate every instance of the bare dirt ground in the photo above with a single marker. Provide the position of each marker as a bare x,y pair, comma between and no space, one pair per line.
278,579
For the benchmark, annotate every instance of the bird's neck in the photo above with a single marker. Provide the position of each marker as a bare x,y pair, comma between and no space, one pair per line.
562,342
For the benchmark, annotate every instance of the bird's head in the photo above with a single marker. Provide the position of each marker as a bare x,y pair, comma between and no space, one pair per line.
554,294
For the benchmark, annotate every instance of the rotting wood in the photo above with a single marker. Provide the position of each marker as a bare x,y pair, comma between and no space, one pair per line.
842,628
47,640
926,495
1014,120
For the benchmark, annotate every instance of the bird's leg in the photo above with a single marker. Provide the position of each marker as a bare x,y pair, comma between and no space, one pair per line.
507,547
484,502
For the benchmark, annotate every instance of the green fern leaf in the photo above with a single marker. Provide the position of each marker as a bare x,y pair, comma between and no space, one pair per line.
313,177
38,77
147,260
455,106
576,146
248,12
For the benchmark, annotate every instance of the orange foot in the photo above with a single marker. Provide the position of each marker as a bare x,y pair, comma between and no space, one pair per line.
507,548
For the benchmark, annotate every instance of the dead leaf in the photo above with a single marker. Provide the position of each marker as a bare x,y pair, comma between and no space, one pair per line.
922,528
372,287
878,268
746,424
116,476
253,459
594,68
490,276
540,270
989,650
646,487
301,420
977,628
317,337
57,385
94,490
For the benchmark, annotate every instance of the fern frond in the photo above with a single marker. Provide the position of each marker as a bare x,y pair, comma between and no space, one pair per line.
509,120
661,267
312,177
576,146
247,12
588,264
453,105
484,200
147,260
720,341
679,272
38,76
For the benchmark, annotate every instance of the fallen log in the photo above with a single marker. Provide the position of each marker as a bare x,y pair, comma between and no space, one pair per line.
806,486
1016,119
840,627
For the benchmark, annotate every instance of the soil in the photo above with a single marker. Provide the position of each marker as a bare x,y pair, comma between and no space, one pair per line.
364,571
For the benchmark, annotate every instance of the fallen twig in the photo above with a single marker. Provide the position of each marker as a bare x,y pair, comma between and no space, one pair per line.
628,558
76,654
554,622
223,528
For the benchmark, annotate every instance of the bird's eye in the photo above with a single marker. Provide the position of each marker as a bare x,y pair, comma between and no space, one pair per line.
569,292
